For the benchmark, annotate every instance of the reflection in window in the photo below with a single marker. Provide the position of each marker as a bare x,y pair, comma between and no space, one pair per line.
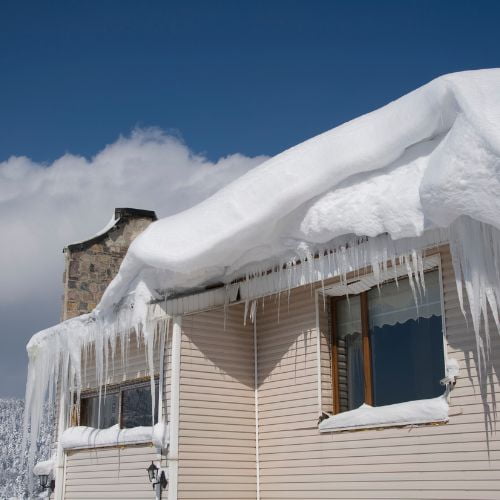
136,406
99,418
405,341
129,405
350,353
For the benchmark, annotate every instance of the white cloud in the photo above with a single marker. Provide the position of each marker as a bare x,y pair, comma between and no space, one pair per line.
45,207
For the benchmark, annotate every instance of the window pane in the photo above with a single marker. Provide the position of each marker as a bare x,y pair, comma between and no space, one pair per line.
406,342
136,406
350,353
89,411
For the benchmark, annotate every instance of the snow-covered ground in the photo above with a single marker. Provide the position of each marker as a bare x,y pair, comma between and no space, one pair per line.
13,467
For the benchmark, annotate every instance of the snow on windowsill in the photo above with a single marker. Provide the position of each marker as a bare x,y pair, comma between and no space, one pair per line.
89,437
422,411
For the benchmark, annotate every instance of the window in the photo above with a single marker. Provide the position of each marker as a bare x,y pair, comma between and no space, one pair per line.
386,347
99,418
129,405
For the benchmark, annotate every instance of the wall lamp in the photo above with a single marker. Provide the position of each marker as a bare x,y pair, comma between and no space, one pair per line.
45,483
157,479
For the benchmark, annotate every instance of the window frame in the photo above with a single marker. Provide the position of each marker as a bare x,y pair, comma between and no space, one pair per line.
119,389
366,340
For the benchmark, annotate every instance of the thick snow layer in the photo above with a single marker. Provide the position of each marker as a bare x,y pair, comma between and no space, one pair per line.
409,413
160,436
421,161
45,467
88,437
428,162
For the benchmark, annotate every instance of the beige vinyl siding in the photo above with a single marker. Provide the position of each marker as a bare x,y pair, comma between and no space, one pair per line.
458,460
217,410
114,473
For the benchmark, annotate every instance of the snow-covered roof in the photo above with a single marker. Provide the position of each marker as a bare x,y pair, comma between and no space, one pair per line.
420,162
425,164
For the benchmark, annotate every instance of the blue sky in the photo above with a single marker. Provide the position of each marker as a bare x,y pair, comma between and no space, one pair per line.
217,79
249,77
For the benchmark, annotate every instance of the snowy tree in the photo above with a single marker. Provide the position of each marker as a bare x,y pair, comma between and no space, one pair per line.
14,478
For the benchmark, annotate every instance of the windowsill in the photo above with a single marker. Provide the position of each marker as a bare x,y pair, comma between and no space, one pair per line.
423,411
81,437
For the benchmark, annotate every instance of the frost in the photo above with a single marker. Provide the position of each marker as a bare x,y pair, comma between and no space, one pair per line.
420,171
409,413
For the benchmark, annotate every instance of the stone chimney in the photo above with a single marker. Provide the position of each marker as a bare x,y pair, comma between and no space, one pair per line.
90,265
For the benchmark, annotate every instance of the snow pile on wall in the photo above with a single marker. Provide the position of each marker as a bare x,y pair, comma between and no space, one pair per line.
88,437
409,413
160,435
428,162
45,467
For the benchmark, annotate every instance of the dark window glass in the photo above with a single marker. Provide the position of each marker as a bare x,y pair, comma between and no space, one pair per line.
350,353
406,341
99,416
136,406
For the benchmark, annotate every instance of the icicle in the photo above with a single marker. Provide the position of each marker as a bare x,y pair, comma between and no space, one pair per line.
475,249
245,313
163,335
253,311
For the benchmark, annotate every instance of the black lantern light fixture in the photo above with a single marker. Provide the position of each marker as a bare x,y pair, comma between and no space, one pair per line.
45,483
44,480
153,473
157,478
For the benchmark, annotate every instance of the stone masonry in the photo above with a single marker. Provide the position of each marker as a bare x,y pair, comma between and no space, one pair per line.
91,265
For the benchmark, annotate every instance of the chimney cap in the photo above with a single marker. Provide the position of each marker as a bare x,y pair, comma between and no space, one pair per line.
121,214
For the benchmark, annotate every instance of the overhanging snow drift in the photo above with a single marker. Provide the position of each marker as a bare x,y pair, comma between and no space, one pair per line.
421,161
427,162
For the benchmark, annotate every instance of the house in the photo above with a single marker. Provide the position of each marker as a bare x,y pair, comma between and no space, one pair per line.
324,327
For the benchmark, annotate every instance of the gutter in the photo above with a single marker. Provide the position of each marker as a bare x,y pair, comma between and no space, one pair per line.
173,448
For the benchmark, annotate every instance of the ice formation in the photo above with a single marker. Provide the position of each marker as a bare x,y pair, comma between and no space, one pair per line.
421,170
409,413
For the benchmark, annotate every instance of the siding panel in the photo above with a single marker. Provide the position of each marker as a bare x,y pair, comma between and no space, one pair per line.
117,472
217,407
